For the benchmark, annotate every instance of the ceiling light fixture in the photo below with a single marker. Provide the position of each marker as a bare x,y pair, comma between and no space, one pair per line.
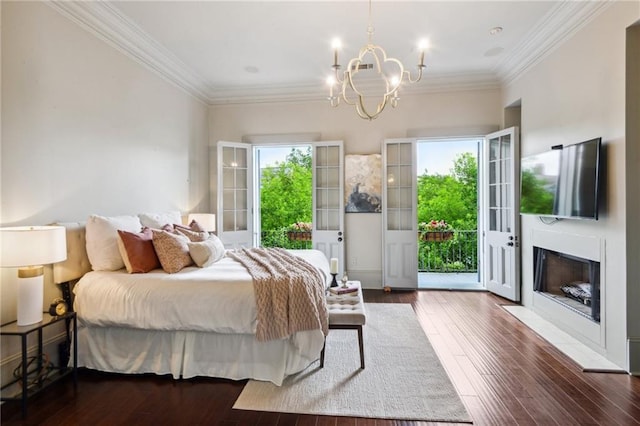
389,72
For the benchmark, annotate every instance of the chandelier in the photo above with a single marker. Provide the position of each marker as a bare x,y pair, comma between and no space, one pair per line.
356,90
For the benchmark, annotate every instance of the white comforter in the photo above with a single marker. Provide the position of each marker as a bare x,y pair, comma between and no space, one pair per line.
217,299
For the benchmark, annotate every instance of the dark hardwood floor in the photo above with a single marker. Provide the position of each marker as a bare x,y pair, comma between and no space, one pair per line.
504,373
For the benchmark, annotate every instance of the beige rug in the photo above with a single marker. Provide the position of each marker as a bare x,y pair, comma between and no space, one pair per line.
403,378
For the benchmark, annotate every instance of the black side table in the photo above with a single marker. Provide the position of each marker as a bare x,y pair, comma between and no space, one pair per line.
56,373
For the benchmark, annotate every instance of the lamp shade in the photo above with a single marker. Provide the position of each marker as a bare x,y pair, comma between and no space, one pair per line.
32,245
206,220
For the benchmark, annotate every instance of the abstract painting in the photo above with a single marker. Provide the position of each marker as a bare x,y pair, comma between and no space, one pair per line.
363,183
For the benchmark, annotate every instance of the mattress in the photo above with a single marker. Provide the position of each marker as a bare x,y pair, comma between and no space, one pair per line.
216,299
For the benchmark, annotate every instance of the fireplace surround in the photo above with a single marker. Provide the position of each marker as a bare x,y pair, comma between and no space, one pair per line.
569,280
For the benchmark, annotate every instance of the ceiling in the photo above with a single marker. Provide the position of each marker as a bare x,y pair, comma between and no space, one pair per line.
250,51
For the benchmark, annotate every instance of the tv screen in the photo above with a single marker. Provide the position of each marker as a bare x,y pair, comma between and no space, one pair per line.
539,183
562,182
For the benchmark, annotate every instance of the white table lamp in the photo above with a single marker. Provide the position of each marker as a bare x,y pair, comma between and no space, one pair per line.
206,220
28,248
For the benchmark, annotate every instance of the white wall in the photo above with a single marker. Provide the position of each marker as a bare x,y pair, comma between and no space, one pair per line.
578,93
632,155
87,130
434,114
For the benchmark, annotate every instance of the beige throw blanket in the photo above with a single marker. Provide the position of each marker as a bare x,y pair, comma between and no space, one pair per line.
289,292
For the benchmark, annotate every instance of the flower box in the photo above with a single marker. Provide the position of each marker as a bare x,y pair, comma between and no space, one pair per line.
432,236
299,235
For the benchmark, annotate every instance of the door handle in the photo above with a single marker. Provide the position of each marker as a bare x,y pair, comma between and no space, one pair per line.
510,243
339,239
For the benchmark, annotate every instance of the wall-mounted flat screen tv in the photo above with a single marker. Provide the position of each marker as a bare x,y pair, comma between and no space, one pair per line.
539,183
562,182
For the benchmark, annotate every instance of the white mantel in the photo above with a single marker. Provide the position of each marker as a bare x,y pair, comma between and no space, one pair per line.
583,329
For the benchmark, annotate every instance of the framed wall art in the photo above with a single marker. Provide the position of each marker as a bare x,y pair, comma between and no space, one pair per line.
363,183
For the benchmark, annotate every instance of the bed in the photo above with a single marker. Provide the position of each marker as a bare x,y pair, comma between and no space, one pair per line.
197,322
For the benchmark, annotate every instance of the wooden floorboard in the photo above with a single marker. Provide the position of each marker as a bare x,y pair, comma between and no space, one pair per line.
504,373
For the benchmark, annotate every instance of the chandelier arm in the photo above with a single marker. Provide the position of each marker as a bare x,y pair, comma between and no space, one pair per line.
418,77
339,79
344,93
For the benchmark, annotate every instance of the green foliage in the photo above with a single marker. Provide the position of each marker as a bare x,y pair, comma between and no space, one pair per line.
538,199
285,191
454,197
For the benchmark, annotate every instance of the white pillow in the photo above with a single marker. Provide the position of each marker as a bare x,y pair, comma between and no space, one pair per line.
206,253
102,240
158,220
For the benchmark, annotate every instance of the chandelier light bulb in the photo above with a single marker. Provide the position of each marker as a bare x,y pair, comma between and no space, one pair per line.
336,44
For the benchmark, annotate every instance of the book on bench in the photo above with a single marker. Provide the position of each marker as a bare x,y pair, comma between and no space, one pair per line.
343,290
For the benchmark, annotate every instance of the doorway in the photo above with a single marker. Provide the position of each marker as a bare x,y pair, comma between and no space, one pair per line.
448,214
283,196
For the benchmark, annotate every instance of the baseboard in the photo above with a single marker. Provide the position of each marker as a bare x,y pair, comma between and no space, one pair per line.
633,350
370,279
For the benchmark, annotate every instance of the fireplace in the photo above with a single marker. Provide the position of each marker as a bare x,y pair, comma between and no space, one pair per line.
572,281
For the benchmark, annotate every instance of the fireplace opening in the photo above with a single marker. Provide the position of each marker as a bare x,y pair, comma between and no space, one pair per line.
571,281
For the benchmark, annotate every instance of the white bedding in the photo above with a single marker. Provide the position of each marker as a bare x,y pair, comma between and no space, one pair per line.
217,299
179,324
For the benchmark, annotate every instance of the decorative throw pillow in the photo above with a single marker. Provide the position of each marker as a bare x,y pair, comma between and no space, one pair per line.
172,251
137,251
206,253
102,240
195,226
158,220
192,235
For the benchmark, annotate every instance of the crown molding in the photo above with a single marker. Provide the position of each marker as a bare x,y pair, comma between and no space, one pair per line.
319,92
557,26
110,25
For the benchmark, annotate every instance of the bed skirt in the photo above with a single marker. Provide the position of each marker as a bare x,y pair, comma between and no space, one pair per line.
185,354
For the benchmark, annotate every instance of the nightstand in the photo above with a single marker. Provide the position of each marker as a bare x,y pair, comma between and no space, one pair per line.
55,373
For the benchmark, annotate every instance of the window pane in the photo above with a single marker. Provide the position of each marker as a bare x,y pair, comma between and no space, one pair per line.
405,153
228,220
392,154
494,149
321,156
241,178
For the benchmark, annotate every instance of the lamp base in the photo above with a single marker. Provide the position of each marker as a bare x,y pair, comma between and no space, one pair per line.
30,300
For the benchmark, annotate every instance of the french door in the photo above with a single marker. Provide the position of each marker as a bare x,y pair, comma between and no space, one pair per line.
400,237
328,200
235,191
235,195
501,213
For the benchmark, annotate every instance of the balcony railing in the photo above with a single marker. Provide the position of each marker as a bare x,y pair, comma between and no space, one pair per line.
452,251
442,253
286,239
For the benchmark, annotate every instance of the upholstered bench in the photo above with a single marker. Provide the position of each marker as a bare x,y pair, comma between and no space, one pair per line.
346,312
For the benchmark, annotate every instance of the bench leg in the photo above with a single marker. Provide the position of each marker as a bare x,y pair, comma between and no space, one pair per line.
322,353
361,344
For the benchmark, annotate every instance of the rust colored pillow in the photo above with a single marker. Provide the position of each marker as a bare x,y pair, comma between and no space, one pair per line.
137,251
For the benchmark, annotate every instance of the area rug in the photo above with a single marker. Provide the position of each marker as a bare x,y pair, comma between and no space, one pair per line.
403,378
